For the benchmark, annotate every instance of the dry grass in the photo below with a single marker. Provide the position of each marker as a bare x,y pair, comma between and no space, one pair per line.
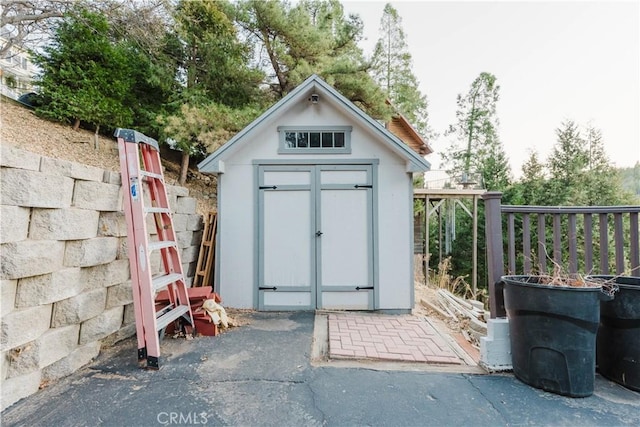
456,285
21,128
561,278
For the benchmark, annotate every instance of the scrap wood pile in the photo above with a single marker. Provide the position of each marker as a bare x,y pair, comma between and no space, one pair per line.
454,300
468,314
208,314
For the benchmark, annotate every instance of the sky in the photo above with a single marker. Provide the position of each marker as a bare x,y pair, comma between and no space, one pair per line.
554,61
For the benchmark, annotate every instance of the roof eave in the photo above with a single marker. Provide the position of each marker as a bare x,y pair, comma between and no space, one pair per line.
402,148
210,164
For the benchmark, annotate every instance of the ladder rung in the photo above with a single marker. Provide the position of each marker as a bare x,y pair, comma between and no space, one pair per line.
162,280
157,210
165,319
151,175
154,246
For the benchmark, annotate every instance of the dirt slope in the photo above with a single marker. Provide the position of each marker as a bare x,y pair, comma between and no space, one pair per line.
20,127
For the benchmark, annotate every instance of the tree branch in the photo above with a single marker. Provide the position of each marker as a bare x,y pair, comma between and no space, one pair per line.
24,18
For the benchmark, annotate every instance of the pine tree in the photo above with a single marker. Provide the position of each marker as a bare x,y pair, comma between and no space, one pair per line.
85,76
566,165
533,180
310,37
214,60
391,69
203,129
602,181
476,147
495,169
216,76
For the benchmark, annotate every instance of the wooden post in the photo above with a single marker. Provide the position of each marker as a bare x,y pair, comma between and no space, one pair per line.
495,252
426,257
634,252
474,279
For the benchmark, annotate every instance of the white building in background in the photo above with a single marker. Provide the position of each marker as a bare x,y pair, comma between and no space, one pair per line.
16,71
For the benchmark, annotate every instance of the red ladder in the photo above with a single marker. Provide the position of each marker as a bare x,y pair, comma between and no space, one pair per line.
140,164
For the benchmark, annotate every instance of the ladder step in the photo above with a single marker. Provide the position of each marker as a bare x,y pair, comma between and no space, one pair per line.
162,280
154,246
151,175
165,319
157,210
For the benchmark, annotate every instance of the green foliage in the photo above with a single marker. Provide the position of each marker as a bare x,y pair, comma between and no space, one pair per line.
601,181
199,130
155,84
533,179
85,75
391,69
495,169
630,178
577,173
580,172
214,61
460,225
567,164
476,147
292,42
218,91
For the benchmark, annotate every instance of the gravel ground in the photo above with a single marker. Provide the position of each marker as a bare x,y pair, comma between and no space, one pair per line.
20,127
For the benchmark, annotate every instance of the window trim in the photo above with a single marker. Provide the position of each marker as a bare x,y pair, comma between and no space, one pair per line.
283,149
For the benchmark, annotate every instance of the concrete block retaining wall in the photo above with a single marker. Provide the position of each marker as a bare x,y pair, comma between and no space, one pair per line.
64,270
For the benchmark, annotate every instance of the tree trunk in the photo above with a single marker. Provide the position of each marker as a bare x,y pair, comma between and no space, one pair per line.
280,75
184,167
96,141
76,124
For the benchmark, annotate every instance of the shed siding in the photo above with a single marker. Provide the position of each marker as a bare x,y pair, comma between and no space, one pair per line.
394,246
236,218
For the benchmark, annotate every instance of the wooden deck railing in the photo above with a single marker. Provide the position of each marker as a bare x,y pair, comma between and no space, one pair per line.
584,239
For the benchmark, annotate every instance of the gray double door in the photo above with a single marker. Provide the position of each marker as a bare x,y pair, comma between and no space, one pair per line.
315,237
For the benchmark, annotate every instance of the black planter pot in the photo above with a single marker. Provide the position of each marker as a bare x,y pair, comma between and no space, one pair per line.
618,342
553,334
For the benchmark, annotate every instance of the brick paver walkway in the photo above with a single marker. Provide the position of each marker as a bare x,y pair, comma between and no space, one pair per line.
387,337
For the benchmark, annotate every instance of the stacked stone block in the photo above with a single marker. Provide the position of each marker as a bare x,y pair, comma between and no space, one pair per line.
64,269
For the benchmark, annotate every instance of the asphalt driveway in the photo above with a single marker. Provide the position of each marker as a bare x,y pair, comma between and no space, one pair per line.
262,374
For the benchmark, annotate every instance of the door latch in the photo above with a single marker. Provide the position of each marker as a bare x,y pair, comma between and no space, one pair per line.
318,233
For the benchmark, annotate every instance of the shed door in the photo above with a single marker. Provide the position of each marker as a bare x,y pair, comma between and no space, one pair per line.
345,248
315,232
286,254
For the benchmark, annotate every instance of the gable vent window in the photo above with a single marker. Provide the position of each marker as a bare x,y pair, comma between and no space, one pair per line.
315,140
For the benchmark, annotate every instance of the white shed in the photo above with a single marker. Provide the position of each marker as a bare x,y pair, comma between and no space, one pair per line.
315,208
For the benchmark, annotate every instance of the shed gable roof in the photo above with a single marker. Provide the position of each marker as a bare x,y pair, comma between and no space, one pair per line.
415,163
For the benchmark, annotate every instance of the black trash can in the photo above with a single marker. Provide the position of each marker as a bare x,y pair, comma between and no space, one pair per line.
553,334
618,342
